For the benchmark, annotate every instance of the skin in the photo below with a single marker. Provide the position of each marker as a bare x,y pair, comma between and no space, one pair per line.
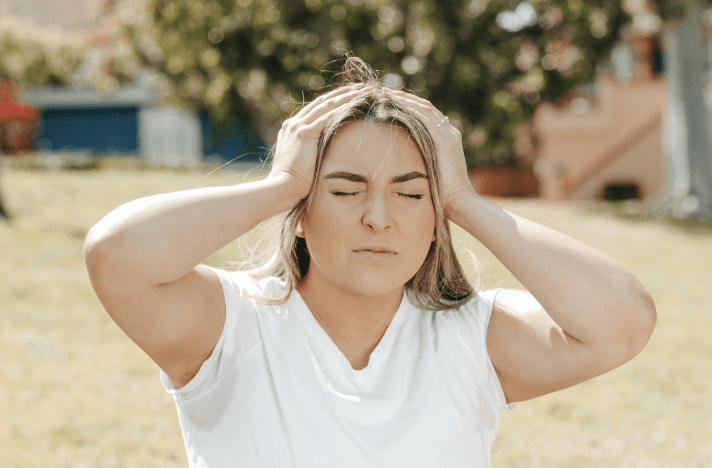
582,313
354,296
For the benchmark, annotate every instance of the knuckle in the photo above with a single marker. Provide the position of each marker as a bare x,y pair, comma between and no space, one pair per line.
301,132
289,125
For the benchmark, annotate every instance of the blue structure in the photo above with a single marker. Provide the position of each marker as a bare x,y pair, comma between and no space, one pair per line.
132,121
90,120
101,130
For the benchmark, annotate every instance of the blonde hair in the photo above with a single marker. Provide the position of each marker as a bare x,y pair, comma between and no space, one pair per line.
440,283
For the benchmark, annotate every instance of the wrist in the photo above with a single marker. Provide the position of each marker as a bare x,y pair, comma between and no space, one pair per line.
288,190
456,203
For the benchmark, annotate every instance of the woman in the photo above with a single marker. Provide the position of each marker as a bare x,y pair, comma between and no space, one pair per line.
360,342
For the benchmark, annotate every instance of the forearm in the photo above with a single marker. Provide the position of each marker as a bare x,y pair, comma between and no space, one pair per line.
589,295
162,237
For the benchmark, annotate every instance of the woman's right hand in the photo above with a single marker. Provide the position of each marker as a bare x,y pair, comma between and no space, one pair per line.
298,139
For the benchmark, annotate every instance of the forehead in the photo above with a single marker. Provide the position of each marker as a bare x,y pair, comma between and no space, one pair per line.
371,149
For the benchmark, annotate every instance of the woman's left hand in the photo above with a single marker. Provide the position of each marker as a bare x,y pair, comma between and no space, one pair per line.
450,159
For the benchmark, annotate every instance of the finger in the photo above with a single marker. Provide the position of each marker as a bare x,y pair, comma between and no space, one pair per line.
319,123
410,97
412,100
428,122
331,103
331,94
428,112
431,120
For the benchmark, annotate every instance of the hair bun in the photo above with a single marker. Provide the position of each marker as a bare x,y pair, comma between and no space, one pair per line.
355,70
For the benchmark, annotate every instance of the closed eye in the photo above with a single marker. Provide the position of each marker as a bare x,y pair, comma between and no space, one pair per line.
411,196
345,194
415,196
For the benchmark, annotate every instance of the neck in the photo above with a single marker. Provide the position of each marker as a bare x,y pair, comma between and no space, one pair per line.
344,313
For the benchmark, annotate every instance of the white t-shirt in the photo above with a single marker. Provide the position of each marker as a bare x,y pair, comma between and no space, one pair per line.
277,392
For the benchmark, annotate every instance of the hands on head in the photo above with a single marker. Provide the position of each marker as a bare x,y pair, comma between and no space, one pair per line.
298,140
454,179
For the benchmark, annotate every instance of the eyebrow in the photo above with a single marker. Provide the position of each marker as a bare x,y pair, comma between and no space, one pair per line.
354,177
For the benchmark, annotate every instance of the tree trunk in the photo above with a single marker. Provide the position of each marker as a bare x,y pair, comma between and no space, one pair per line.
688,191
3,212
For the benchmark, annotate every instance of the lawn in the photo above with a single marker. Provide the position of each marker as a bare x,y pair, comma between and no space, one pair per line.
76,392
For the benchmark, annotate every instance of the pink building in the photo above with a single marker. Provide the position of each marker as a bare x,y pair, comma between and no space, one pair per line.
612,151
605,142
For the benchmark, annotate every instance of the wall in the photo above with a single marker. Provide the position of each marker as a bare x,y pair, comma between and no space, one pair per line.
619,140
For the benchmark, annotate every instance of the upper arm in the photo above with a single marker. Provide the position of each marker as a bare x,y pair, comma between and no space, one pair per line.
177,324
532,355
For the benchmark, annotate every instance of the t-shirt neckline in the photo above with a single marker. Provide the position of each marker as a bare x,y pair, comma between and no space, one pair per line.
381,350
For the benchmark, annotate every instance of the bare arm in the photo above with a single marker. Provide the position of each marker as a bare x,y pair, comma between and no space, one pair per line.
583,314
162,237
143,258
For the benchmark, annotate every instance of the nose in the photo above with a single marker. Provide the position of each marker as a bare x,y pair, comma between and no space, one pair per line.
377,213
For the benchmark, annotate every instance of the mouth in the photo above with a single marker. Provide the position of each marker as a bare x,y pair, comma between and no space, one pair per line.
375,248
375,254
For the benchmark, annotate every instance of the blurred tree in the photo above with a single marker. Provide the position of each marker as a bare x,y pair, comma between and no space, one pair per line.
689,182
47,56
486,63
34,55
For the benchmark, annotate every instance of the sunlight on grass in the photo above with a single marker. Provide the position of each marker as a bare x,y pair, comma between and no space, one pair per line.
76,392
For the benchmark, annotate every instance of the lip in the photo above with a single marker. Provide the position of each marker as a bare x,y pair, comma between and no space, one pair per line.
370,254
375,248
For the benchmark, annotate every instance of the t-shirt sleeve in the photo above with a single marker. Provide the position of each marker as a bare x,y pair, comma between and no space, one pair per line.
239,332
478,314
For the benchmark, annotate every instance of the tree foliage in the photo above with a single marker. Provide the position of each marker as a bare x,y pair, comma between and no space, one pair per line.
486,63
34,55
37,56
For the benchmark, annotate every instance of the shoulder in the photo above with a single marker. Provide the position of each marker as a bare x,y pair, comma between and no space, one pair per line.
514,301
531,353
471,319
242,283
480,306
474,321
238,333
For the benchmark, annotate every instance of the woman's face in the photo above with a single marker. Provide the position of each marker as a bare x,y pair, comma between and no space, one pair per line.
372,220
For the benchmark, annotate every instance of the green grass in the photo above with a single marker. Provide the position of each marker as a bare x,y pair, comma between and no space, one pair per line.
76,392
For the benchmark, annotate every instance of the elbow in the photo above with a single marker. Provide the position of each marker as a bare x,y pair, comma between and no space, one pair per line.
94,252
642,323
649,314
630,335
99,248
113,261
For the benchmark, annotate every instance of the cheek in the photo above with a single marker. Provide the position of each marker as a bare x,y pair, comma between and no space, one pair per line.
323,226
422,222
419,230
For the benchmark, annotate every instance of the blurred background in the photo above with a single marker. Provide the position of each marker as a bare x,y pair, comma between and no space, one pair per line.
589,117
